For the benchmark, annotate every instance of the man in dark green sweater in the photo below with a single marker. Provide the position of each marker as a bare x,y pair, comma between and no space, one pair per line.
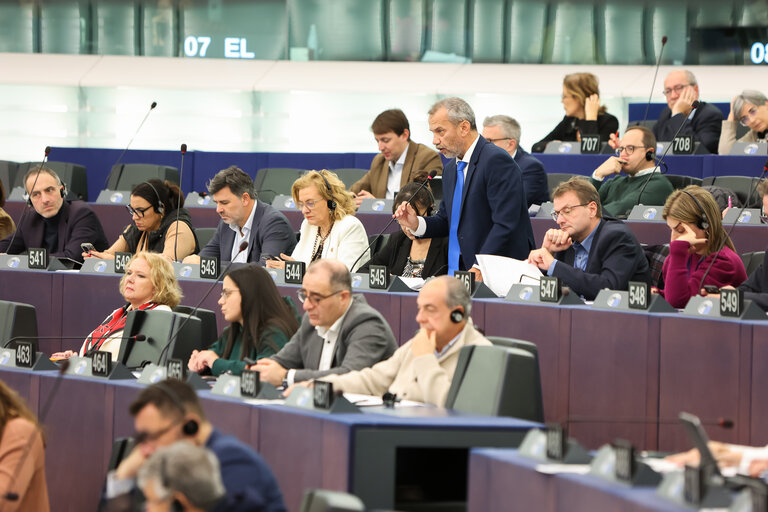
636,152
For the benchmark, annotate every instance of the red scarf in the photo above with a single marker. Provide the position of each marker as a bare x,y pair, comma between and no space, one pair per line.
113,323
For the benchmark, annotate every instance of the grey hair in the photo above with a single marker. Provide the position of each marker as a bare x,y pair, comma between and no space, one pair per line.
690,77
458,111
340,278
750,96
456,294
186,468
509,126
236,179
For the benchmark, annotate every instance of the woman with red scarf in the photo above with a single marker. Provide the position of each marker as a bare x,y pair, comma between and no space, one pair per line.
148,283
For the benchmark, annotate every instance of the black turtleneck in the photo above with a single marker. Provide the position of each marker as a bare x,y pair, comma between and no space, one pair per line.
51,232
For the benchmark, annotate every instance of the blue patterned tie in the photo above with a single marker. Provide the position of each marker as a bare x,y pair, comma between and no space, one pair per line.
454,251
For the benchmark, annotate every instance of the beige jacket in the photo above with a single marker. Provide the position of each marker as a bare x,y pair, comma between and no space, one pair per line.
29,478
422,379
728,137
418,158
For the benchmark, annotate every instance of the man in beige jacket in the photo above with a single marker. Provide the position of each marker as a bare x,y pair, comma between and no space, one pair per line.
422,369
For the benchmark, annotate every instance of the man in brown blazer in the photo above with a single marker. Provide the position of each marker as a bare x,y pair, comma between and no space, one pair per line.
400,158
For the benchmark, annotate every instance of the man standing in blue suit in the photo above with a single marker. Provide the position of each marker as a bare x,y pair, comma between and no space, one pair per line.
483,210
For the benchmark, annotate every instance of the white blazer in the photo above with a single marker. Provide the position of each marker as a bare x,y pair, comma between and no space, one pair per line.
346,242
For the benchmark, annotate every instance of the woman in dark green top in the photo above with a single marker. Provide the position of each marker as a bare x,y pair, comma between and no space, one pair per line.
261,322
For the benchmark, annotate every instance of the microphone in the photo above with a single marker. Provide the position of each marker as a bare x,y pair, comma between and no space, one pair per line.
13,496
722,422
138,337
151,108
178,204
735,221
243,246
655,74
431,175
29,201
695,105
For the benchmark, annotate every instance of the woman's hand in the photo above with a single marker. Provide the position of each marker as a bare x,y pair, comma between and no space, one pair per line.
58,356
279,263
591,107
101,255
731,116
690,237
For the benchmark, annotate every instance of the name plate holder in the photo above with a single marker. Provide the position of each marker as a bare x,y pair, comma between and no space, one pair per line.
153,373
320,399
13,262
619,300
209,267
294,272
235,386
83,367
97,266
186,270
750,216
617,463
372,205
690,488
529,294
553,445
361,282
710,307
476,289
646,213
8,359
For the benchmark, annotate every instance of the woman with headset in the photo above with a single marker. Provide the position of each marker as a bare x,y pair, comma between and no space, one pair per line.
330,228
261,322
160,223
419,257
700,251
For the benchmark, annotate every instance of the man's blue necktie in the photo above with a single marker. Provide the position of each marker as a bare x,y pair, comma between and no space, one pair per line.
454,251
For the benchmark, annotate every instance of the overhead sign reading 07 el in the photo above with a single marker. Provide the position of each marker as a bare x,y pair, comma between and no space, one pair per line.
234,47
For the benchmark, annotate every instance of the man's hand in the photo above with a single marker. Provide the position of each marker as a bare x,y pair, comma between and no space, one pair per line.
193,259
757,467
556,240
591,107
684,103
609,167
363,194
129,467
478,274
406,216
270,371
542,258
304,384
424,343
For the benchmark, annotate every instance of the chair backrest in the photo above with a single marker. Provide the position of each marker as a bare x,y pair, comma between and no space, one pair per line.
273,181
210,330
350,175
204,235
18,320
379,243
678,181
497,381
74,176
743,186
556,178
752,260
160,329
8,172
127,176
321,500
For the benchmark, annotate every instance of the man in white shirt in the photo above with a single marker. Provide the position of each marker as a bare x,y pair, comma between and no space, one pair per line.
340,332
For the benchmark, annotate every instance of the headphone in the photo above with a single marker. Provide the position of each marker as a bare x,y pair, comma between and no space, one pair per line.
649,155
703,223
62,188
159,208
190,427
457,316
331,202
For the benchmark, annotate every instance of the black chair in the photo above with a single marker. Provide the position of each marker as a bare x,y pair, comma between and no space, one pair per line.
184,333
127,176
320,500
381,242
273,181
678,181
204,235
210,330
497,381
741,185
752,260
8,172
18,320
556,178
74,176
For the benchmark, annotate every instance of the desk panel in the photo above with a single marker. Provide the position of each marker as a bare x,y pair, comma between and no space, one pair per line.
36,288
758,432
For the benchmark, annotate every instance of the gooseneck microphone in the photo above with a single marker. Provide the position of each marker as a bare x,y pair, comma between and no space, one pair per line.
29,195
138,337
695,105
721,422
172,338
431,175
120,158
655,74
9,495
735,221
178,205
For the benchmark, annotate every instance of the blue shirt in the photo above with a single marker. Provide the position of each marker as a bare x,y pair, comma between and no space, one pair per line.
582,252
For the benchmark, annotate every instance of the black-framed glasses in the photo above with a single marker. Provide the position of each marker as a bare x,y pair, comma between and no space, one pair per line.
494,141
314,298
143,437
565,211
139,212
629,149
676,89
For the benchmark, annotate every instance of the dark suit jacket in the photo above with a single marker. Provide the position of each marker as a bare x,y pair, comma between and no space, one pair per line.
271,233
77,224
569,128
705,126
756,286
365,339
534,177
395,255
494,216
615,259
418,158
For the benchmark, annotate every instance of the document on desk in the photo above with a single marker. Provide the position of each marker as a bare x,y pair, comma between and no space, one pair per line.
371,401
500,272
555,469
414,283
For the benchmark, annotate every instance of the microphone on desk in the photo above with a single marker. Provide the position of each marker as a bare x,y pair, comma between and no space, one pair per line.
174,335
178,206
660,162
9,495
735,221
655,75
138,337
120,158
431,175
721,422
29,197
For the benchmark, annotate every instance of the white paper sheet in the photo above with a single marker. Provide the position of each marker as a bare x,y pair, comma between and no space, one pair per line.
500,272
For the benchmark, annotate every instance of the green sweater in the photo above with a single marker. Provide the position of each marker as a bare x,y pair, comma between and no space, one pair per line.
618,195
234,364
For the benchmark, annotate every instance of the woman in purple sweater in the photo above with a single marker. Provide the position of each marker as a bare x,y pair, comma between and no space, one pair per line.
697,233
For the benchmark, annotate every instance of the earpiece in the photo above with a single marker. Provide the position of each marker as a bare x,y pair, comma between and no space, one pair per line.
331,202
457,316
704,222
62,191
190,427
159,207
649,155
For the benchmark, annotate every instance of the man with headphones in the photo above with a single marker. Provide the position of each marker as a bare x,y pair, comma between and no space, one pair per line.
170,411
422,369
52,222
635,156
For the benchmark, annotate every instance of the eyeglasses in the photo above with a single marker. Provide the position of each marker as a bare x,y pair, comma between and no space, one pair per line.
751,113
139,212
629,149
309,204
565,211
143,437
225,294
494,141
676,89
314,298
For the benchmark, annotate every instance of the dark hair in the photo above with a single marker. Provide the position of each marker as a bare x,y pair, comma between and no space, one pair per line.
169,193
172,397
649,139
392,120
262,308
236,179
423,197
38,169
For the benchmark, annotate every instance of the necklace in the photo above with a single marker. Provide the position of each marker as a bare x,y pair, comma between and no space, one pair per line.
319,243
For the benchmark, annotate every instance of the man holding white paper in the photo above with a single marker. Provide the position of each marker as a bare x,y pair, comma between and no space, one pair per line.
587,252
